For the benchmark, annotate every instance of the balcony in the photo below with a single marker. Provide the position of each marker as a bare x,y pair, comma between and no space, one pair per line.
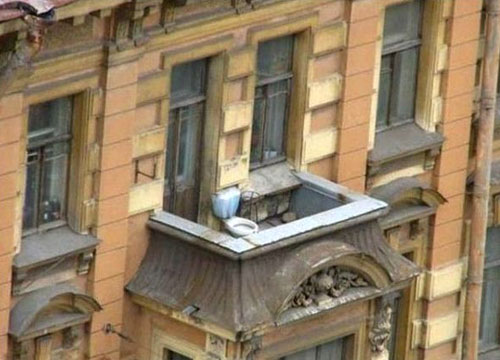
328,250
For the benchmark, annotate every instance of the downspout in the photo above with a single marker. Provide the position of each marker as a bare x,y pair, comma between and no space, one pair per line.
20,58
480,196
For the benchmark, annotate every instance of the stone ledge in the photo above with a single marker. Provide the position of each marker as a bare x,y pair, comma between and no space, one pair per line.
402,141
40,249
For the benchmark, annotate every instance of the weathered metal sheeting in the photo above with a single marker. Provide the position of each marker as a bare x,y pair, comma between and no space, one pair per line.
27,311
240,295
12,9
397,189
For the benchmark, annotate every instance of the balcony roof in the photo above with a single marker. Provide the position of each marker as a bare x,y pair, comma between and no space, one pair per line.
236,296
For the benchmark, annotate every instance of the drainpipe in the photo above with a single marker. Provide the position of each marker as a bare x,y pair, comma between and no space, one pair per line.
21,57
479,218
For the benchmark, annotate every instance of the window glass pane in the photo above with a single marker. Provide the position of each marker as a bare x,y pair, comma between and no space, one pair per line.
55,169
50,119
277,103
490,314
259,114
492,252
275,57
402,22
384,92
394,326
171,150
309,354
31,190
331,351
188,80
190,118
404,86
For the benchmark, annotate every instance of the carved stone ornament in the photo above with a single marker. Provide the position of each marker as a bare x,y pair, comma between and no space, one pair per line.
380,334
326,285
250,348
216,346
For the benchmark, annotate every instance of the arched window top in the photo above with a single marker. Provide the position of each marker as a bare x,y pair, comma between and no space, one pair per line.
50,309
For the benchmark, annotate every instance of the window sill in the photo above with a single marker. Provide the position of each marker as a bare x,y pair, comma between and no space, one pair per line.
490,355
271,179
52,246
402,141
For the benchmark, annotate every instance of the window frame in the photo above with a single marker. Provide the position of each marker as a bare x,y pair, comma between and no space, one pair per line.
394,50
69,140
171,182
264,84
485,349
167,353
302,28
347,347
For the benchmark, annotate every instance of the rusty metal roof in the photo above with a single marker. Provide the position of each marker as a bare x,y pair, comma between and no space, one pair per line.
12,9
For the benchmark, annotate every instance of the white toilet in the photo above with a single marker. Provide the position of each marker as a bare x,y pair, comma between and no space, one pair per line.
225,205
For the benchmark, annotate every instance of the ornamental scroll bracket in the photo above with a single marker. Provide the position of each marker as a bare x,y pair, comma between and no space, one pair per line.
326,285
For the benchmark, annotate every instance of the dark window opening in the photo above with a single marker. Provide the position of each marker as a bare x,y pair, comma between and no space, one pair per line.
399,66
172,355
489,331
272,100
184,138
47,164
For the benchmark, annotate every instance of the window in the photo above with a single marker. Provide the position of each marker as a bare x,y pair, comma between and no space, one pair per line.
48,150
184,138
394,300
172,355
398,72
334,350
489,334
272,100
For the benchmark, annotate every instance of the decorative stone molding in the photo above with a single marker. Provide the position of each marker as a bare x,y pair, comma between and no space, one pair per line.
250,348
128,29
27,45
380,334
21,351
216,346
84,262
326,285
70,337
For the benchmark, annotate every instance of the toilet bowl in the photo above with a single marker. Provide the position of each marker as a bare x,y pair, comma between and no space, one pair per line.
239,227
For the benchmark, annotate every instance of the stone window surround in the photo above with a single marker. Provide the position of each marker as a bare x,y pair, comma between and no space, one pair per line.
160,340
79,200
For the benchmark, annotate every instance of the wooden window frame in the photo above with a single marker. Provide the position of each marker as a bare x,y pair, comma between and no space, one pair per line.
490,349
393,51
264,84
347,347
355,333
39,147
172,181
216,51
302,29
81,156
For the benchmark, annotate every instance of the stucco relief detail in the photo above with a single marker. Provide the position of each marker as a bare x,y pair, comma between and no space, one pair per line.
326,285
380,334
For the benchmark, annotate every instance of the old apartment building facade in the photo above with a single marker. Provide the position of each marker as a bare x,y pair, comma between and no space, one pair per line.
346,127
